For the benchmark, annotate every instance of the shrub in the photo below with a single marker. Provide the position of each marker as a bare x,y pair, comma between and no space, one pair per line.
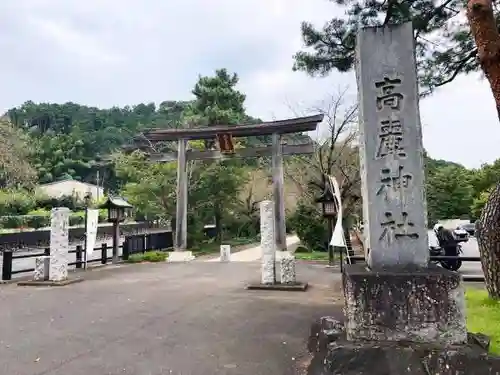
310,227
16,202
155,256
77,218
38,219
103,215
242,226
70,201
302,249
12,222
148,256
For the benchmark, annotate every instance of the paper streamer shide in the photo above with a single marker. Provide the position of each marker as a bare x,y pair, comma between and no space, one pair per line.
338,233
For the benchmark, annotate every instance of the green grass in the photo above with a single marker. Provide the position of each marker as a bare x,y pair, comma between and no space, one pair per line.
148,256
483,315
314,255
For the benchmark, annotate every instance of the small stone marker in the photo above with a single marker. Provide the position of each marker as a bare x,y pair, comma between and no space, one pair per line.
267,243
391,154
59,247
42,268
287,268
225,253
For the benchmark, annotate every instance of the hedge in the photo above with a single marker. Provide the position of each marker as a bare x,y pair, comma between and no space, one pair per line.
41,218
21,202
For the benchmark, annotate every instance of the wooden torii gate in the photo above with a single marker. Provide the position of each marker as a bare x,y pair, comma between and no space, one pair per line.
223,136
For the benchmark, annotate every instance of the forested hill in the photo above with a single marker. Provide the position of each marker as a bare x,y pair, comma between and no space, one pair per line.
68,140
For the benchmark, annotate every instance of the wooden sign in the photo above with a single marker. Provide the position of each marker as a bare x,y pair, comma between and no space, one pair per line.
225,143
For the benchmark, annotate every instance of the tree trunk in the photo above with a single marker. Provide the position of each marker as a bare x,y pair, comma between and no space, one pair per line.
484,30
488,238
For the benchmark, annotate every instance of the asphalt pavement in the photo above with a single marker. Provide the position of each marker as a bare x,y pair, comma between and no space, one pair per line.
149,319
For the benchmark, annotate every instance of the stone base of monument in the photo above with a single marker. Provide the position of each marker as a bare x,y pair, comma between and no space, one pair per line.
180,256
332,353
68,281
285,287
418,305
287,275
42,268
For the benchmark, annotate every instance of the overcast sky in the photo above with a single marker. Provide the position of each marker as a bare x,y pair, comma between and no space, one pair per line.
117,52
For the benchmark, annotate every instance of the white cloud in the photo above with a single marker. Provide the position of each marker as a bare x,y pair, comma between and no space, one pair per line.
115,52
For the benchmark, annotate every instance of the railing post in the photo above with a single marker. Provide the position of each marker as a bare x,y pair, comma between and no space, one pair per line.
125,249
104,253
78,256
7,265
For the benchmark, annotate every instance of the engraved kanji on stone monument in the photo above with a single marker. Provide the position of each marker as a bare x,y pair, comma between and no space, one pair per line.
390,139
391,151
389,97
396,228
394,181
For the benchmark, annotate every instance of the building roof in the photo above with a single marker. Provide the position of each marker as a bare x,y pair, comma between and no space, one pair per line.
69,180
117,202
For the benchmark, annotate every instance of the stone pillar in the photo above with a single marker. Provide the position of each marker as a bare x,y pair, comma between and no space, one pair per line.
391,150
278,194
267,242
287,268
182,198
59,246
225,253
400,297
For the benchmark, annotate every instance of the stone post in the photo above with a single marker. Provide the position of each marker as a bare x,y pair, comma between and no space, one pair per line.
42,268
225,253
287,268
267,242
400,297
59,247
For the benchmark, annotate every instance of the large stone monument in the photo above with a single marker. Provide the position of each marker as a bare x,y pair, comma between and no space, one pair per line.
399,297
402,315
59,245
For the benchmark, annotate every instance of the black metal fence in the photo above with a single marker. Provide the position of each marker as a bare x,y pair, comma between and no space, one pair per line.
133,244
41,238
10,257
472,278
140,243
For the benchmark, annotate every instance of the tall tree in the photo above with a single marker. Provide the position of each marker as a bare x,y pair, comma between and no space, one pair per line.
446,46
15,167
335,155
150,188
449,193
218,102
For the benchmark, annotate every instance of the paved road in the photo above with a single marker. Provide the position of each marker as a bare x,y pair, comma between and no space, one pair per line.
152,319
255,253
